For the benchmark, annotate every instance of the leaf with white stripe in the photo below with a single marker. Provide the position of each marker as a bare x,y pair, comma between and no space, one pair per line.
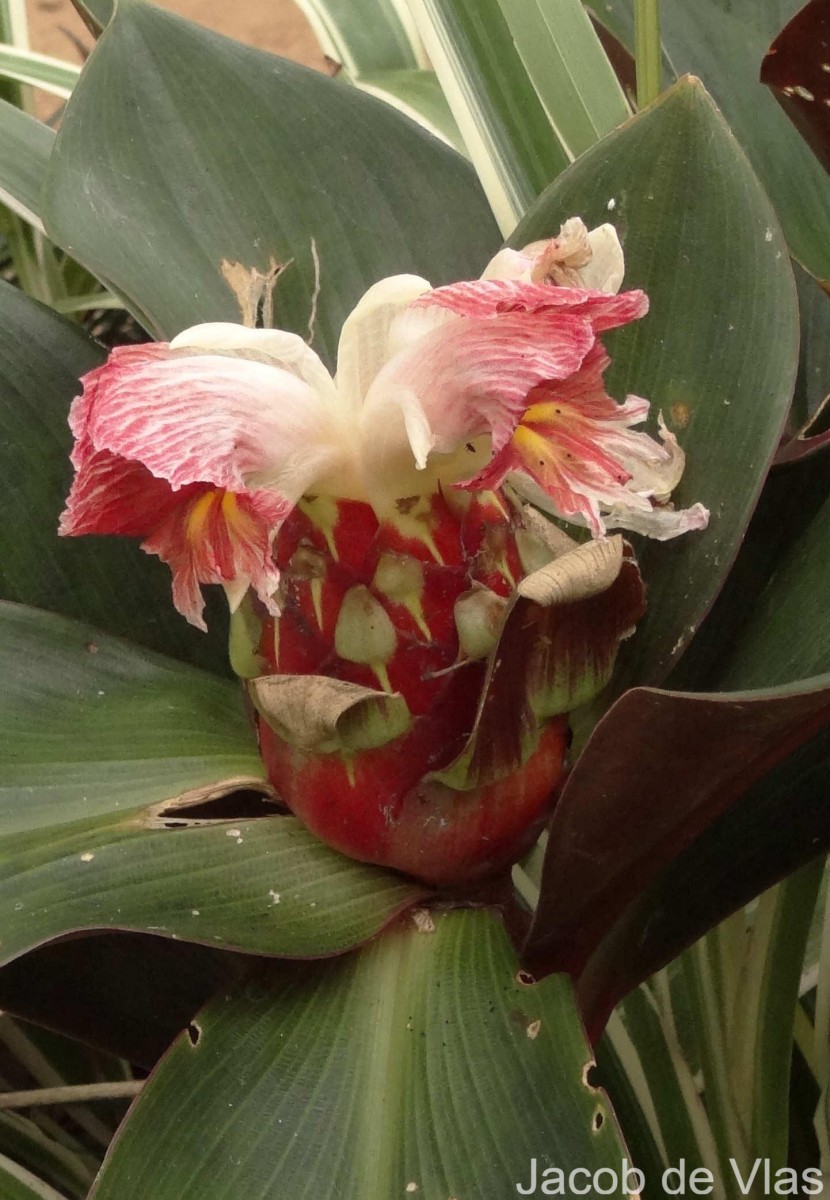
25,146
365,35
40,70
569,69
16,1183
14,25
504,126
418,95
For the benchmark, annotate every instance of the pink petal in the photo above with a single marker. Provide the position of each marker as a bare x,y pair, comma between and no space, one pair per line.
493,297
210,418
219,537
111,495
470,377
172,446
575,454
205,534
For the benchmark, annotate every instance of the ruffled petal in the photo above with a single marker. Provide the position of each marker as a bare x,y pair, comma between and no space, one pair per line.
481,299
465,380
218,537
660,522
208,418
656,470
205,534
605,270
202,448
111,495
575,454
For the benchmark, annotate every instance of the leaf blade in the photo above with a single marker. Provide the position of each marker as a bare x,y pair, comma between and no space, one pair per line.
505,128
569,70
227,127
106,581
357,1089
711,401
25,146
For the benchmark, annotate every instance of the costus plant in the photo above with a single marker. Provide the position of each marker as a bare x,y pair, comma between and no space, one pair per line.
420,637
413,639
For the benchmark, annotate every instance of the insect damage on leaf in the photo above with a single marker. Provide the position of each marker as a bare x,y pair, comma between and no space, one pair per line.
254,290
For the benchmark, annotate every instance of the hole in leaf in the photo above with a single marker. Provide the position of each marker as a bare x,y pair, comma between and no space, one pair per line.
242,805
194,1032
590,1076
525,978
599,1120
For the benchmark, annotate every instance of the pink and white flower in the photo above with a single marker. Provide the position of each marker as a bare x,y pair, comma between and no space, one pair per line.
204,445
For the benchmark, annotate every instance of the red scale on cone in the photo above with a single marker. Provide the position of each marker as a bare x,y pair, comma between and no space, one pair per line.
352,585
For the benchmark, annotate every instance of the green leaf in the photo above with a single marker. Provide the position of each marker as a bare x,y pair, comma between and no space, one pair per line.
781,928
107,581
25,66
25,146
794,67
726,46
365,35
93,301
651,1083
421,1060
418,95
742,981
98,741
785,566
506,130
808,428
717,275
265,886
792,499
95,14
14,26
255,134
649,51
30,1147
569,69
659,769
724,42
91,728
787,635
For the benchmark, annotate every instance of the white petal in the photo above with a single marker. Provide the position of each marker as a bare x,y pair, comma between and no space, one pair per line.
365,338
658,474
275,347
603,272
606,268
658,523
513,265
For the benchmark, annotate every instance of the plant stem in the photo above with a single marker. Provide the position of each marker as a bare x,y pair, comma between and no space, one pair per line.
647,51
34,1186
80,1093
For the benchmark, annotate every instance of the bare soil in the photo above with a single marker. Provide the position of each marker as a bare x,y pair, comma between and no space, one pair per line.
275,25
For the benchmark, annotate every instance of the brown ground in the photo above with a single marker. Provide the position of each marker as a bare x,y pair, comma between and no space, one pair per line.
276,25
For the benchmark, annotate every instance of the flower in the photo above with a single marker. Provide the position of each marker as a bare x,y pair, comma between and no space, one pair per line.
416,634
